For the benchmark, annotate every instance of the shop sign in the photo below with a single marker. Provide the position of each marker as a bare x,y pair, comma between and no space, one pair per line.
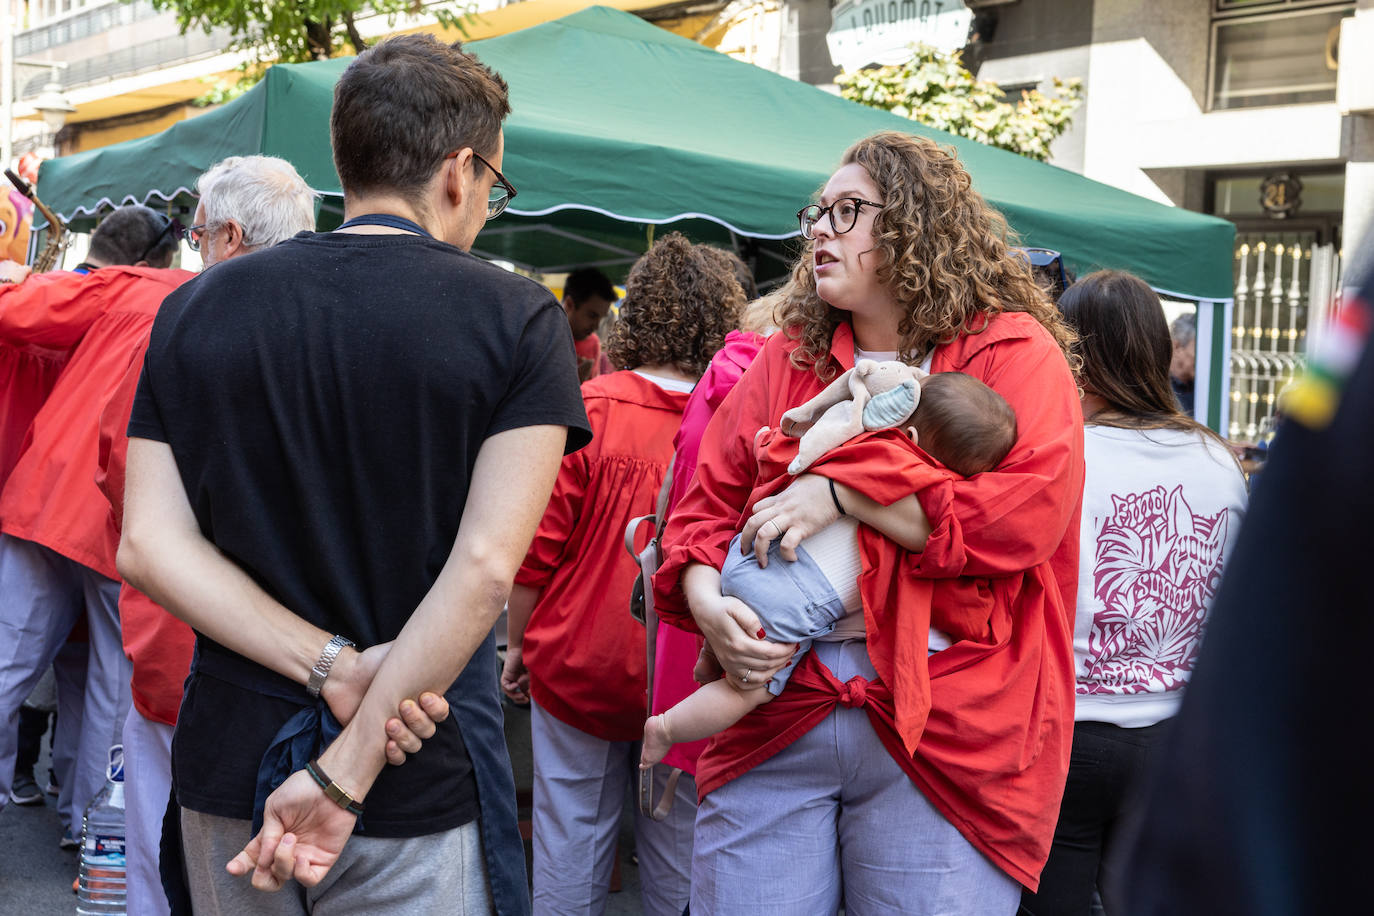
883,31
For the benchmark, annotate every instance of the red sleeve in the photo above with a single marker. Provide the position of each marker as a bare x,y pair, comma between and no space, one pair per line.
719,379
53,309
1009,520
546,551
114,441
711,511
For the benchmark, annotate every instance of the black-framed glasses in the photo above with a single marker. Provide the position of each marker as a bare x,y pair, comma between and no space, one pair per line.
501,193
168,225
193,235
844,213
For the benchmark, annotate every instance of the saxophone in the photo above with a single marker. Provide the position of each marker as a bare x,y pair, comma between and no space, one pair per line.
58,233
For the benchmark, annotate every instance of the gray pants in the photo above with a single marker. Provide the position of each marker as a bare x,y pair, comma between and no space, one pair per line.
831,820
581,786
44,595
442,873
147,785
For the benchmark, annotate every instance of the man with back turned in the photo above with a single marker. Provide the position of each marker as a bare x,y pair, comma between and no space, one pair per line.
339,452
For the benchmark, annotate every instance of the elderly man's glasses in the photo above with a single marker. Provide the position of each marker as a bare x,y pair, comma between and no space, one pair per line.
501,193
193,235
844,213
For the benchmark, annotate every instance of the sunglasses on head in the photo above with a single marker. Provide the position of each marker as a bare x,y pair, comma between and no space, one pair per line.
169,226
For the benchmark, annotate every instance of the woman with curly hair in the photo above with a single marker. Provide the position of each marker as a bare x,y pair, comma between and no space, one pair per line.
901,771
574,651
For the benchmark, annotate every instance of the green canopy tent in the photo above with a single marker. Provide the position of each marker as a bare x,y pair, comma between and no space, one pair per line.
619,126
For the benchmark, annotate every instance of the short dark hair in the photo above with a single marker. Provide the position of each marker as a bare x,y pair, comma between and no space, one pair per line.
134,233
964,424
586,282
680,302
406,103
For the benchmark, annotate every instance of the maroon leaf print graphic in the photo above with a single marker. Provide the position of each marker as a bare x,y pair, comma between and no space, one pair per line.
1156,568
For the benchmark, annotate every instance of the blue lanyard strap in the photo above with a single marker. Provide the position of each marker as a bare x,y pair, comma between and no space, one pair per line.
389,220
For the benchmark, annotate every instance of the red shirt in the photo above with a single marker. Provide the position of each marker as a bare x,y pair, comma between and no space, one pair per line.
158,644
51,497
584,652
26,378
589,348
993,721
39,324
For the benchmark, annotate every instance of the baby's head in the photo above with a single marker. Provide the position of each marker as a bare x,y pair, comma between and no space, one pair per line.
962,423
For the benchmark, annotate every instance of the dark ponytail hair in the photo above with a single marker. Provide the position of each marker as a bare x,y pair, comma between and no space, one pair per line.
1125,346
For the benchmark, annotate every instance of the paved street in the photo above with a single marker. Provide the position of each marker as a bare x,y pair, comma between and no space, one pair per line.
36,877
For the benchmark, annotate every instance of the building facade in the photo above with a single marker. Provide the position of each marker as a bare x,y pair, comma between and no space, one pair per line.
1257,111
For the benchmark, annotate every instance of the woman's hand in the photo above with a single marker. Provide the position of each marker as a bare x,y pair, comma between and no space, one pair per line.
796,513
732,630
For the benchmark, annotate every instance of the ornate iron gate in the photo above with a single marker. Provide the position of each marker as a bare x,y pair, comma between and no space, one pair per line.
1284,284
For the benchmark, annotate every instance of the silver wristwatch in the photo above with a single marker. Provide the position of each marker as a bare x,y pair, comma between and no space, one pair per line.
324,663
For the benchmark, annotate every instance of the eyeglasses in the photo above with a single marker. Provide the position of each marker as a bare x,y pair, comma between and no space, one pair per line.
501,193
844,213
193,236
167,226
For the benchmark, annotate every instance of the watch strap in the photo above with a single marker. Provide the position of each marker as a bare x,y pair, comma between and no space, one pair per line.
324,663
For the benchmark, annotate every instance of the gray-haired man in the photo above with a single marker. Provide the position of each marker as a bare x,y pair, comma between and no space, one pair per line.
248,203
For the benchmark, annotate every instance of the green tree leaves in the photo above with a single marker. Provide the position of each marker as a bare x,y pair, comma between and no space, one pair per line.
294,31
935,89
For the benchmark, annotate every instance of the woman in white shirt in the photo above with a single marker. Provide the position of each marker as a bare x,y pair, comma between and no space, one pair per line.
1162,503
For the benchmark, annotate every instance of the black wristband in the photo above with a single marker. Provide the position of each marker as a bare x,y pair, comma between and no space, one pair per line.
332,790
835,496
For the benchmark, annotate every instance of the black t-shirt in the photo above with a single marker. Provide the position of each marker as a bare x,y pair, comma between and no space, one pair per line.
325,400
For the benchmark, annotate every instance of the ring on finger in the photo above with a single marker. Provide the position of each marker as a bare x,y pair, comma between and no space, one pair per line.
745,678
776,527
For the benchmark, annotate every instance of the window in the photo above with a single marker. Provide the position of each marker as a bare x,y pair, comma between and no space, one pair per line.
1274,53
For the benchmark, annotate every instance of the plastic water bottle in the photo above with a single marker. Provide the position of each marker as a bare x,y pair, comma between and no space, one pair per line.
100,888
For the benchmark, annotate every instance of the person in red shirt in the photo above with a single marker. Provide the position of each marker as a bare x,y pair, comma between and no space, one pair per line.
864,784
573,649
961,423
57,550
587,298
246,203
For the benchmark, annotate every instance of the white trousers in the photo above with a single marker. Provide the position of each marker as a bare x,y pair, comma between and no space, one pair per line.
832,820
44,595
147,787
581,786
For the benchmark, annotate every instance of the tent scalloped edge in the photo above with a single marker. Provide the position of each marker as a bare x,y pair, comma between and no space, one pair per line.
657,221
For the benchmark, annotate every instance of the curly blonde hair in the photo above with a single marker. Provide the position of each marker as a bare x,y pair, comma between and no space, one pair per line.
680,301
944,256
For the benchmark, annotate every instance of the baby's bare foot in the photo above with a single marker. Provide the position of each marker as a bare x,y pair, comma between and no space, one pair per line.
656,742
